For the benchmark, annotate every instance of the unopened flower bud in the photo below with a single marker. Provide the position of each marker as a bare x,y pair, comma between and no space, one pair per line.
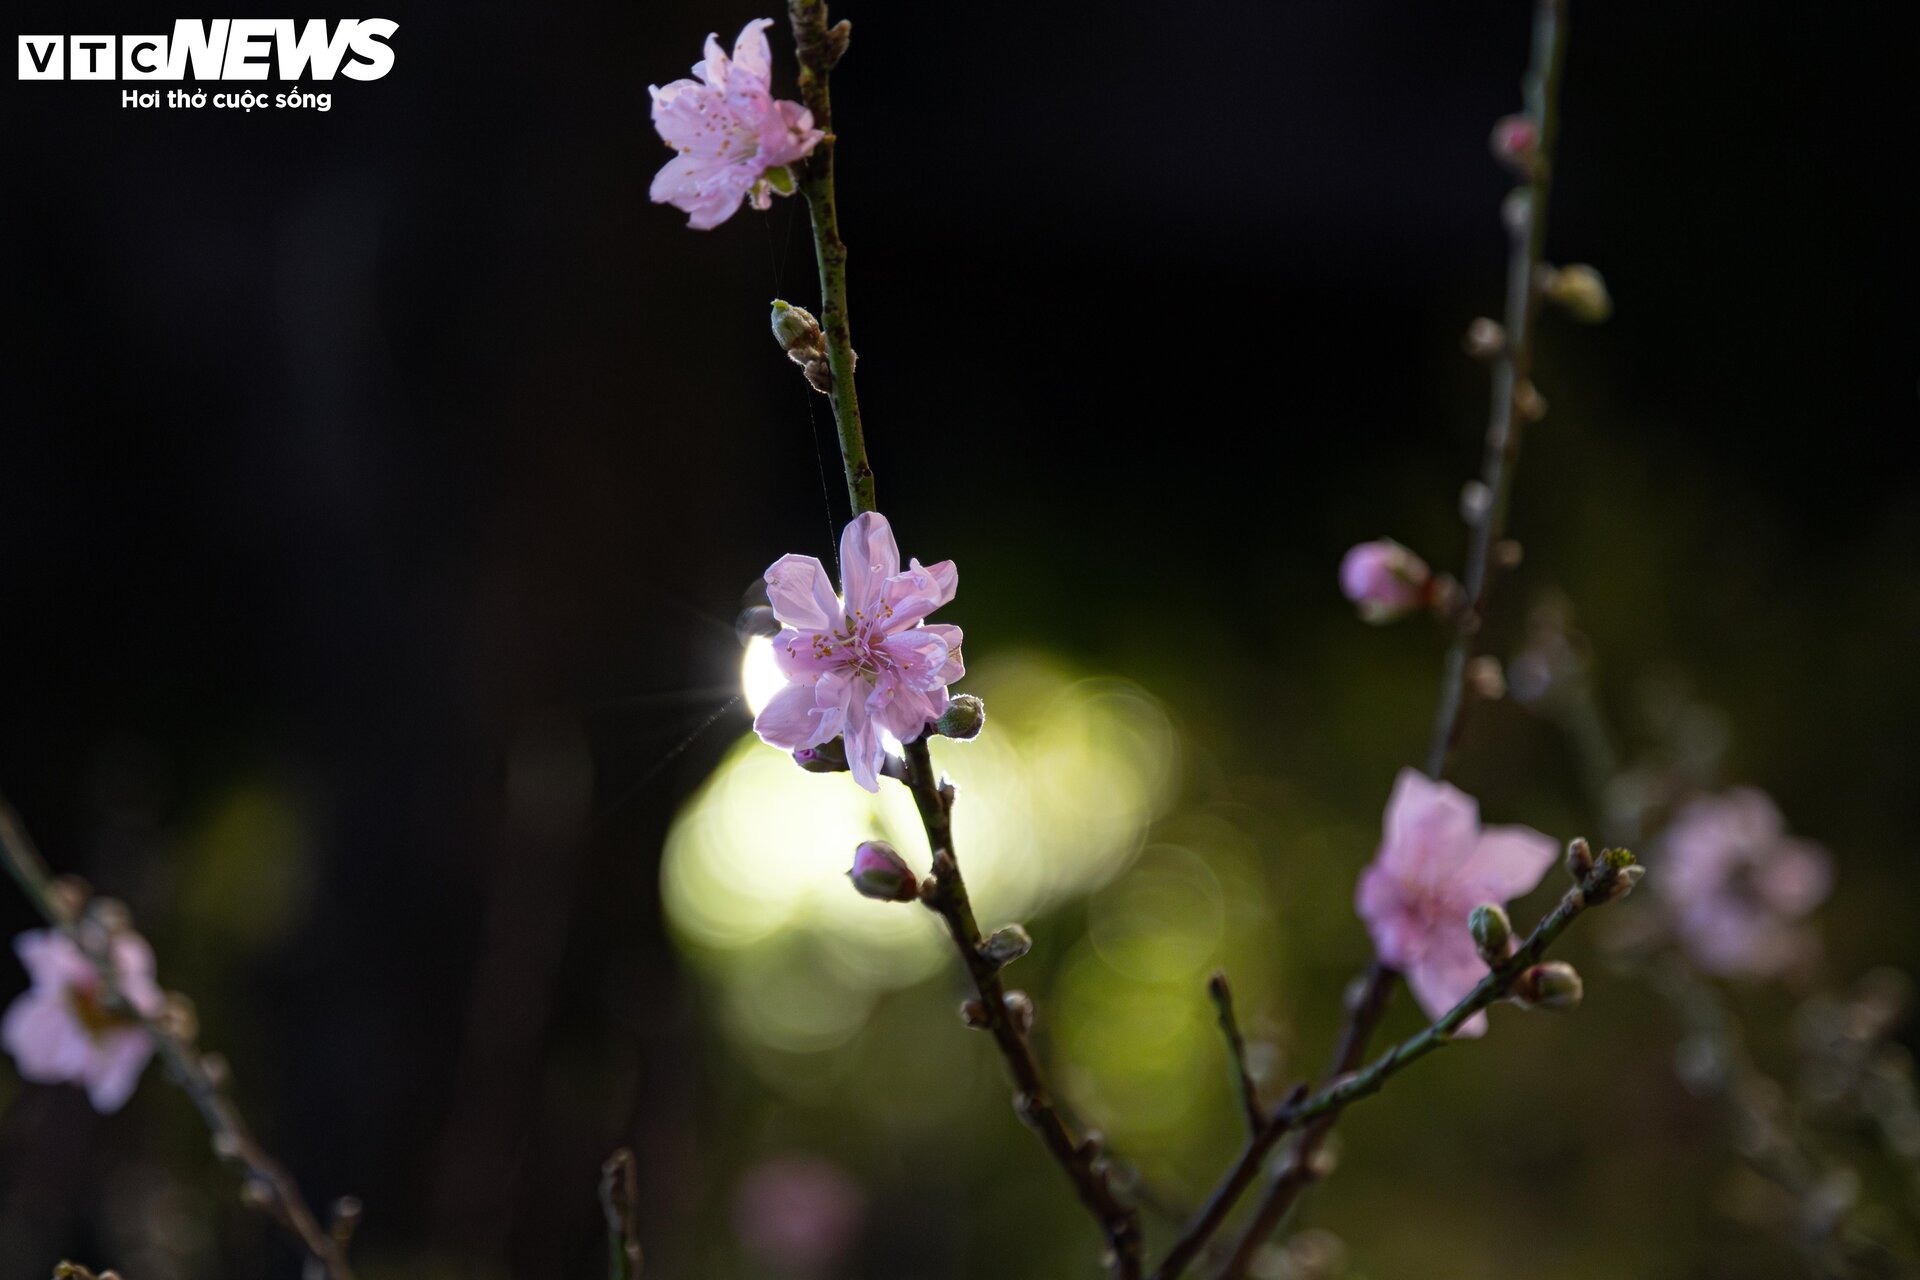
828,757
1579,859
1624,881
1485,679
1515,143
1580,291
1005,945
1554,985
964,717
973,1013
1020,1010
1492,932
1385,580
1516,211
1484,339
1528,403
881,874
1475,501
179,1017
797,332
1620,873
110,915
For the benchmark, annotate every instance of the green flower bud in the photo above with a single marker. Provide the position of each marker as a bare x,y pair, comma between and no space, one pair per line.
797,332
1005,945
1492,932
1580,291
1020,1011
1554,985
828,757
964,717
1579,859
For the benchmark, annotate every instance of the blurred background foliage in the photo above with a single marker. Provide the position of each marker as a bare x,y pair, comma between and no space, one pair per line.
383,485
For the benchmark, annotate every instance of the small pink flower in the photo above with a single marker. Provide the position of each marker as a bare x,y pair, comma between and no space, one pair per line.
1385,579
61,1031
729,130
1436,864
1738,886
798,1214
863,661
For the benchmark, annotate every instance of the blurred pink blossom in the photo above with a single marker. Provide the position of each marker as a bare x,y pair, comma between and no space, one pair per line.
1738,886
61,1031
1385,580
729,130
798,1214
1436,864
863,661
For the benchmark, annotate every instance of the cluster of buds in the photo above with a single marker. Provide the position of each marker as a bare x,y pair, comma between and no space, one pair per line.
1603,877
799,336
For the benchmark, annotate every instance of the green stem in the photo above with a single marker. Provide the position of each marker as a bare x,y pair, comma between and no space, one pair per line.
820,47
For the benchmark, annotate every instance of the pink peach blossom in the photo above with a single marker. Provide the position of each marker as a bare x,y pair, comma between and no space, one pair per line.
729,130
1738,886
863,661
1435,865
1384,579
60,1030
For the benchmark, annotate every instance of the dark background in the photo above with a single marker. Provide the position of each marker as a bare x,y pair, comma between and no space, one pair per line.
357,465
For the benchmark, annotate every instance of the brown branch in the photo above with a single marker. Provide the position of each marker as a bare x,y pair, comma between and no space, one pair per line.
1514,404
1080,1159
1611,876
620,1204
266,1185
1244,1085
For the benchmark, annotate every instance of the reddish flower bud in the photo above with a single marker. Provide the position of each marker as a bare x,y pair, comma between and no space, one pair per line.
1385,580
1515,143
881,874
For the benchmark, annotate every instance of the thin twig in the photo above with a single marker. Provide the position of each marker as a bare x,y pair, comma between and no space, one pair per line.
1081,1160
1249,1092
1513,403
620,1202
820,47
1302,1111
266,1184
